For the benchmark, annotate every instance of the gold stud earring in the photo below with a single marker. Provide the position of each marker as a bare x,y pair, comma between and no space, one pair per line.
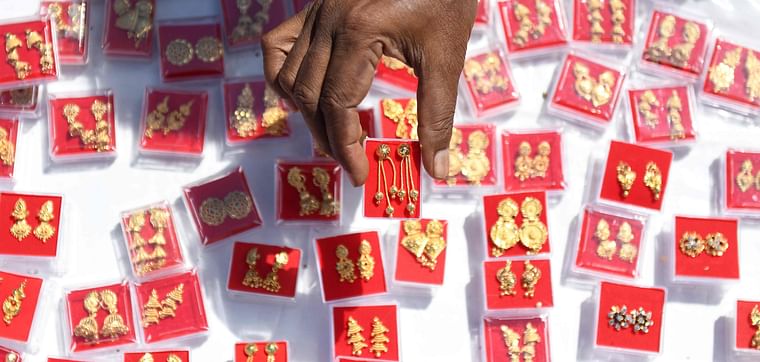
113,325
366,261
722,75
354,337
504,233
44,231
625,177
12,304
692,244
272,281
541,161
212,211
250,351
745,178
329,207
530,277
533,232
653,180
476,164
378,338
308,202
209,49
238,205
20,228
606,248
628,251
507,280
7,149
512,342
87,327
179,52
716,244
523,163
271,349
252,278
344,266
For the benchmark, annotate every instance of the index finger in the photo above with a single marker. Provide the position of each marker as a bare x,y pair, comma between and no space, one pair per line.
277,44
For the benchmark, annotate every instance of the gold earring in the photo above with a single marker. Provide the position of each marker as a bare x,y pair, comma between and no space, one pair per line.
271,350
244,116
716,244
173,358
274,120
745,178
383,153
653,180
12,304
87,327
178,117
44,230
252,278
435,245
12,43
209,49
136,20
238,205
507,280
156,118
541,161
625,177
524,163
407,179
504,233
147,357
102,136
212,211
11,357
628,251
159,219
378,338
647,101
660,48
366,261
595,19
682,52
754,318
722,75
675,107
584,84
752,67
512,342
329,207
344,266
533,232
151,310
405,118
617,7
272,281
692,244
456,158
530,277
7,150
308,202
354,337
171,302
113,325
20,228
522,14
476,164
250,351
530,340
606,248
35,40
544,15
179,52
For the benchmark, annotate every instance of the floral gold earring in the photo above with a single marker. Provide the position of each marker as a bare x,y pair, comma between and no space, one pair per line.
44,231
625,177
344,266
653,180
20,228
366,261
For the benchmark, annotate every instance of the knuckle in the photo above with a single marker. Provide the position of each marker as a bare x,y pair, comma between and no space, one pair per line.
268,40
305,94
331,103
286,80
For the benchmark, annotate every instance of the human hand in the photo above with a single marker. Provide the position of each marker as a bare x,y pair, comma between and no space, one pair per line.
323,60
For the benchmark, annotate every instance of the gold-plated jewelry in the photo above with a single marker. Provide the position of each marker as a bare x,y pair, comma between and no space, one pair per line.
716,244
344,266
12,43
321,178
606,248
541,161
675,108
113,325
7,149
252,278
533,232
101,139
746,177
584,83
238,205
544,15
625,177
486,76
249,28
692,244
435,245
250,351
653,180
383,154
179,52
597,91
681,53
395,64
271,350
366,262
722,75
272,282
151,310
209,49
159,219
76,13
530,339
147,357
23,96
595,19
752,83
308,203
617,8
512,342
524,33
507,280
157,118
44,231
173,358
12,357
87,327
408,187
628,251
405,118
36,41
20,228
660,48
618,317
524,163
456,157
414,239
177,118
378,338
274,120
504,233
244,117
136,20
530,277
12,304
647,102
354,337
641,320
212,211
146,262
476,164
171,302
754,318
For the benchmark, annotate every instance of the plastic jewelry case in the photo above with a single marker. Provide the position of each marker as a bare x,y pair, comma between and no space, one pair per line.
59,359
27,300
184,356
738,183
7,354
362,327
395,77
367,122
474,165
517,286
72,27
743,335
129,29
515,337
507,218
260,351
22,102
661,114
82,126
398,118
533,161
488,85
8,148
246,21
402,199
191,49
731,81
483,16
714,243
308,192
420,248
604,25
532,29
30,59
263,272
253,111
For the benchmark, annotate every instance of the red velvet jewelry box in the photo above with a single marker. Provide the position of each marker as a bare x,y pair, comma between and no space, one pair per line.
645,307
129,30
358,331
72,19
173,122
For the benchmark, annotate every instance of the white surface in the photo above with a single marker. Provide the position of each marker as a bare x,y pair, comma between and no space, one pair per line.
442,328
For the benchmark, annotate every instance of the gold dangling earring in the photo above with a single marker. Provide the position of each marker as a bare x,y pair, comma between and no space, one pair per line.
12,304
530,340
530,277
504,233
628,251
87,327
271,350
7,150
244,116
366,261
522,14
113,325
378,338
595,19
354,337
511,342
524,163
151,310
157,118
20,228
617,7
404,151
178,117
541,161
329,207
606,248
250,351
344,266
507,280
272,281
647,101
171,302
682,52
675,107
44,230
252,278
308,203
653,180
34,40
660,49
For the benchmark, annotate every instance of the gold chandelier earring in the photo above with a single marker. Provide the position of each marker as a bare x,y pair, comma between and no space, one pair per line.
44,231
87,327
383,154
20,228
272,281
252,278
329,207
308,202
35,40
405,152
113,325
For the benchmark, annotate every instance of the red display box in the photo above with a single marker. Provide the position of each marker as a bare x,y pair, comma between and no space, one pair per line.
675,44
586,90
177,311
662,115
42,216
53,359
350,266
607,247
386,160
129,29
367,122
29,59
741,182
191,49
81,322
393,73
151,239
421,252
618,295
523,270
246,21
222,206
507,220
253,111
184,356
527,336
398,118
308,191
483,13
489,85
473,161
251,272
730,80
82,126
705,266
18,327
21,101
263,350
746,329
362,326
8,138
72,25
638,158
533,160
173,122
610,24
5,355
532,27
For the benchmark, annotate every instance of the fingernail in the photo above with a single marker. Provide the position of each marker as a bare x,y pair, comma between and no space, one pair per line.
441,164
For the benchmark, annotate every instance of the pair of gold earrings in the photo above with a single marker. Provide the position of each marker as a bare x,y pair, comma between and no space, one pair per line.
160,119
98,139
149,358
528,280
274,120
7,149
505,233
248,27
345,266
236,204
639,320
528,29
680,53
532,167
252,278
208,49
486,76
154,310
722,75
407,189
608,248
648,102
746,179
270,349
33,40
12,304
308,202
405,118
512,341
144,261
474,166
113,325
426,246
378,338
21,229
136,19
76,12
598,91
652,178
692,244
617,17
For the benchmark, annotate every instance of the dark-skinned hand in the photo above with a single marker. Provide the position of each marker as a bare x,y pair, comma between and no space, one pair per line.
324,58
